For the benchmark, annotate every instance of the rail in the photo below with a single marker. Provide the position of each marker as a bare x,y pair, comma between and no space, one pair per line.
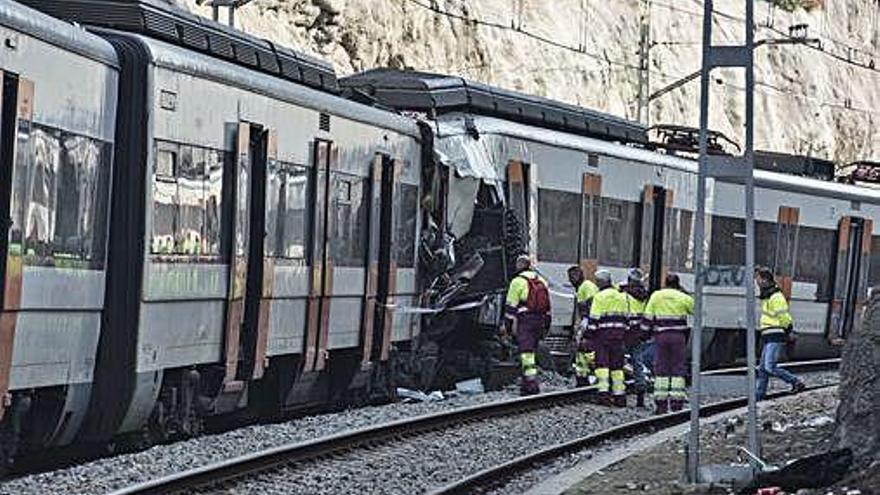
497,475
230,470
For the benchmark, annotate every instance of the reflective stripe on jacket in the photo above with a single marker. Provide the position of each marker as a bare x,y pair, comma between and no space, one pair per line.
668,309
609,310
775,317
518,291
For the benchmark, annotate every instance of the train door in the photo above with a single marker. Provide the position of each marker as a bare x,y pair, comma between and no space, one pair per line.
518,194
591,196
246,307
16,108
321,279
378,317
656,209
389,190
786,248
851,275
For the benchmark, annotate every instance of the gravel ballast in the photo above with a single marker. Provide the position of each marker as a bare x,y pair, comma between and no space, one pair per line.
108,474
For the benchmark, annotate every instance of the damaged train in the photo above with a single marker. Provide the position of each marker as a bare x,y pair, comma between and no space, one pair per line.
204,224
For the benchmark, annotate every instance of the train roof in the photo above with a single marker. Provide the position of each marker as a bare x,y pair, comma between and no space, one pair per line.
763,178
170,56
161,20
68,37
426,92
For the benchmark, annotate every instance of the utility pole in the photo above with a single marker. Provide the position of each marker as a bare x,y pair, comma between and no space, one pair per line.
644,112
732,169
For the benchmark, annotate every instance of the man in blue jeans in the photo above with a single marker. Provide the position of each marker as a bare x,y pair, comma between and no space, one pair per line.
775,325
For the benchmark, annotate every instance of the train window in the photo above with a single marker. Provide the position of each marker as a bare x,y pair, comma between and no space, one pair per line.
212,238
187,202
166,161
766,244
591,209
83,189
191,207
558,225
349,218
41,196
816,247
293,225
679,232
874,273
407,224
59,200
728,241
617,247
274,208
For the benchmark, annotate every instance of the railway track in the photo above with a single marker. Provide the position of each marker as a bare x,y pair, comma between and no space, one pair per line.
237,471
494,477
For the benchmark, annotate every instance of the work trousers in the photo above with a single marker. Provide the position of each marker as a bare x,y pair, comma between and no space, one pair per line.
669,369
609,361
529,328
585,358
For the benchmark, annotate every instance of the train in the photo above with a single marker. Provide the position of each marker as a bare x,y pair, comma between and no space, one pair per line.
204,224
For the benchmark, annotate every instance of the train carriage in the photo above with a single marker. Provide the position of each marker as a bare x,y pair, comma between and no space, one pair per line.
264,229
59,93
577,187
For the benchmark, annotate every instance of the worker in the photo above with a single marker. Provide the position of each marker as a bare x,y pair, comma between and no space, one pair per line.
608,322
776,326
636,339
528,311
666,316
585,356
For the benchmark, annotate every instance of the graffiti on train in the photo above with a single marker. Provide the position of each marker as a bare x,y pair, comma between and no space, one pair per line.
723,276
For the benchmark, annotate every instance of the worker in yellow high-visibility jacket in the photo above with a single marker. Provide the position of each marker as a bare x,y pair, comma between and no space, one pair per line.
776,325
666,315
585,356
528,311
609,317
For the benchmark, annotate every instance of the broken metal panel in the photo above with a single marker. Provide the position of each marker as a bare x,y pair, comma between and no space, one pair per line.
469,156
461,202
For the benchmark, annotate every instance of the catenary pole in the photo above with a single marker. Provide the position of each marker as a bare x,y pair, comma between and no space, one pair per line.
693,451
737,169
751,317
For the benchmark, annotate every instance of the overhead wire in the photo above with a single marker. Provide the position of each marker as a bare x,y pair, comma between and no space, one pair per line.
627,66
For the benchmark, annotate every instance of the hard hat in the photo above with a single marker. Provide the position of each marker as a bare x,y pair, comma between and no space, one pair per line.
603,276
634,275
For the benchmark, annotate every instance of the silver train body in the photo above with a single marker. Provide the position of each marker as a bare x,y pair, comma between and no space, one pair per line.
191,238
203,226
595,203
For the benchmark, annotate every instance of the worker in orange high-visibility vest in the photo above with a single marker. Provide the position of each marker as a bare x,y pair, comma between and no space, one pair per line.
528,311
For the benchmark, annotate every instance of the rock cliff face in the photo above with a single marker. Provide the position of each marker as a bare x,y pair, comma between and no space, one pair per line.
858,415
586,52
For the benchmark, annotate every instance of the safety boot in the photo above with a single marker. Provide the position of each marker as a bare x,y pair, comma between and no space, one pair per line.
676,405
529,387
582,381
661,407
640,399
619,401
605,399
798,387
